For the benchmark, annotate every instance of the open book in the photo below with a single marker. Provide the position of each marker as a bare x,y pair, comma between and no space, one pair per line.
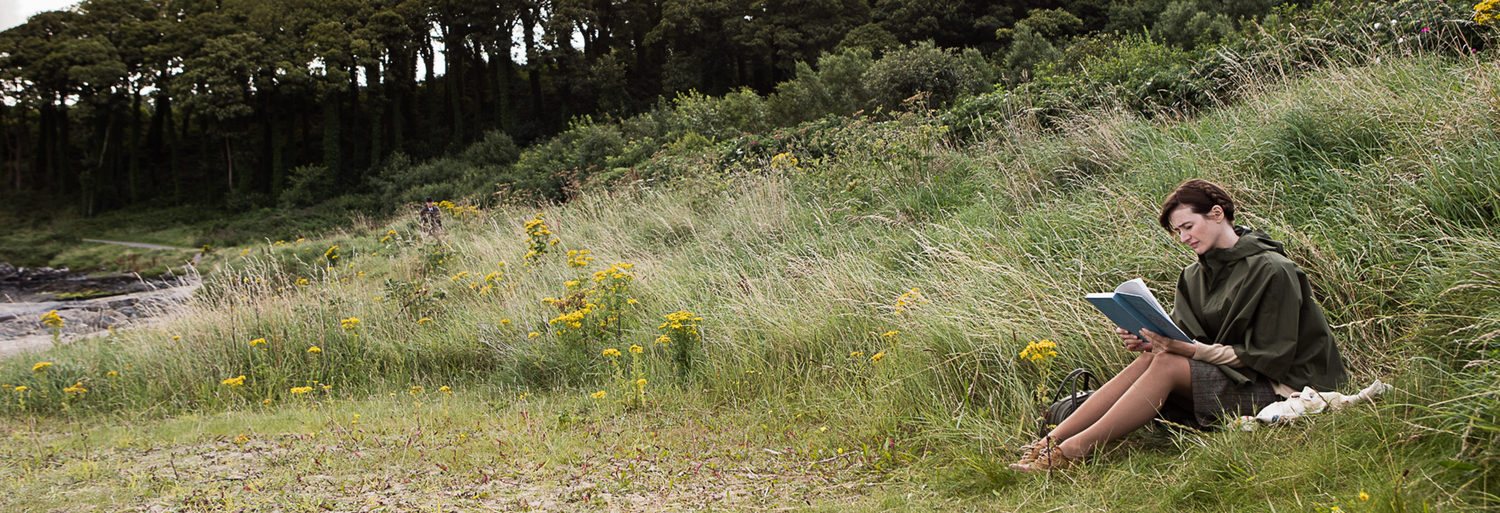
1133,308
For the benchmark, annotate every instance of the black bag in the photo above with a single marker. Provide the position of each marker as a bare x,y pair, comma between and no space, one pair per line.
1062,407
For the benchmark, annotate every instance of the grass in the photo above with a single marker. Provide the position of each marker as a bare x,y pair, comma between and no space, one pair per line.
1373,176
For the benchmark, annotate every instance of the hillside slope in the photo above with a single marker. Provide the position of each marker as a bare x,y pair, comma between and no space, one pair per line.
869,290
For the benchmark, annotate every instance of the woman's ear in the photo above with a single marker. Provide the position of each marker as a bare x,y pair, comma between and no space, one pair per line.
1216,213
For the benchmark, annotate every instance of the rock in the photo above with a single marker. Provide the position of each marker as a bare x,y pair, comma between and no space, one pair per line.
6,270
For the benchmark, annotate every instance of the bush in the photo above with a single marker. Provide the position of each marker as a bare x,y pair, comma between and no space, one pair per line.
923,68
307,185
837,87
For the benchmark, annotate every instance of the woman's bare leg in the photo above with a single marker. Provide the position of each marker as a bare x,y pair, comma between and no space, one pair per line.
1137,406
1091,410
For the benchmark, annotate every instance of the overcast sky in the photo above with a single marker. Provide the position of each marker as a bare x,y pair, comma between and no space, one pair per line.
15,12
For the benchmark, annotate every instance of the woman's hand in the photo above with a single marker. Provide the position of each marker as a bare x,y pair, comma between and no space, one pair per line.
1132,342
1154,343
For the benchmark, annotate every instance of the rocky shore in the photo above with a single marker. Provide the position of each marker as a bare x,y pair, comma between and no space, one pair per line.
88,304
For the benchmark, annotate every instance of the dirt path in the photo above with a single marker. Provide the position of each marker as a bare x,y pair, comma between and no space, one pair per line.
136,244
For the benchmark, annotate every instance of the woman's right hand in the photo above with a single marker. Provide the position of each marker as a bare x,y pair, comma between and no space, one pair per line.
1132,342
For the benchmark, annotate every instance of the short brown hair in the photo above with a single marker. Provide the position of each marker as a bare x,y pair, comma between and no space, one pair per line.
1199,195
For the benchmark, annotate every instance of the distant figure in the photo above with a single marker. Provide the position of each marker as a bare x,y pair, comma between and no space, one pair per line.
431,218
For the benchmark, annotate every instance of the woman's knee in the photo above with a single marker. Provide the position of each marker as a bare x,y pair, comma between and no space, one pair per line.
1168,362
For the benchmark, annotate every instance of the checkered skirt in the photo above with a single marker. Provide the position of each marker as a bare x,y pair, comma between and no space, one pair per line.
1216,397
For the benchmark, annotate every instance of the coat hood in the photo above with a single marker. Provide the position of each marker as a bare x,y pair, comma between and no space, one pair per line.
1252,242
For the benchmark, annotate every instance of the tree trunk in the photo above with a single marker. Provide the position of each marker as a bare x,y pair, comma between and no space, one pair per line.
133,164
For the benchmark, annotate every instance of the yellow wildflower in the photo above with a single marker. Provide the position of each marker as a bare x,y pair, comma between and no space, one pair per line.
77,388
611,352
176,337
112,373
300,390
1364,497
234,381
314,349
40,366
877,357
350,323
640,383
424,320
598,395
416,389
21,388
257,342
505,322
854,354
532,334
637,349
445,389
663,339
52,320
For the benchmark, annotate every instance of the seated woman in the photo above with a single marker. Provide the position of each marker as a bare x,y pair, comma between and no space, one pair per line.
1258,335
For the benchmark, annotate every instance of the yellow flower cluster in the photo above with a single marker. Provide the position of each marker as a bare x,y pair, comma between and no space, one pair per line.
1484,12
349,324
611,352
314,349
234,381
52,320
679,321
914,297
257,342
40,366
537,235
637,349
598,395
1039,351
388,236
77,388
579,258
784,161
424,320
458,211
332,253
300,390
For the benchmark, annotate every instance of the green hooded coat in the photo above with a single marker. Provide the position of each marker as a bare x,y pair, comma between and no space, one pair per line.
1254,299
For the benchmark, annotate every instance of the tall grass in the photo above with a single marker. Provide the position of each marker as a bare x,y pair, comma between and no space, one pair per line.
1377,178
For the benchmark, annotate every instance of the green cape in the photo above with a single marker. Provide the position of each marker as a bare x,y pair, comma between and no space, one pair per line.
1252,298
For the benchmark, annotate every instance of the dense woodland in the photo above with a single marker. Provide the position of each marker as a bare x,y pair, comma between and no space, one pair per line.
120,102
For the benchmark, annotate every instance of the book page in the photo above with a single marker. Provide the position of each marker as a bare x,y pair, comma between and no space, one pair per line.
1138,287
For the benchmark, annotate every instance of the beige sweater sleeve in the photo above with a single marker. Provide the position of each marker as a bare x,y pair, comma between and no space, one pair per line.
1217,354
1220,354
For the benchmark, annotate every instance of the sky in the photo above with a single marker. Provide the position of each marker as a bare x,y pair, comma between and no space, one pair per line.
15,12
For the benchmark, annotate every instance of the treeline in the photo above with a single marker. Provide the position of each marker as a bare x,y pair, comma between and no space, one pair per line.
247,102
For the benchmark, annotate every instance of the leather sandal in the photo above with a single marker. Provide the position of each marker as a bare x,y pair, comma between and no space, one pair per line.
1050,459
1029,452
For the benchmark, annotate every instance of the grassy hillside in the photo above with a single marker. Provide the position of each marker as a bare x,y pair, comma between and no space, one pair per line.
857,307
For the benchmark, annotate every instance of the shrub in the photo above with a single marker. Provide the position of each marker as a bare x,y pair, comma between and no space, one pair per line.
923,68
837,87
307,185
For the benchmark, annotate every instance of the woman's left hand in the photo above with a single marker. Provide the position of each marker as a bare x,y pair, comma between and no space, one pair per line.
1159,343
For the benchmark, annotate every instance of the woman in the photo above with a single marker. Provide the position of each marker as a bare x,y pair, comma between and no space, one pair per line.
1258,335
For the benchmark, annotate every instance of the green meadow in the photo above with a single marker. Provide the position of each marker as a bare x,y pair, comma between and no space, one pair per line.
836,327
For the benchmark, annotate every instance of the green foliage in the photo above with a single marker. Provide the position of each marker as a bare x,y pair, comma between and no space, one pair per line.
837,86
923,68
870,37
308,185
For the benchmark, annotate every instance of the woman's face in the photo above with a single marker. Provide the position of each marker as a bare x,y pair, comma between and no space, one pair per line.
1200,232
